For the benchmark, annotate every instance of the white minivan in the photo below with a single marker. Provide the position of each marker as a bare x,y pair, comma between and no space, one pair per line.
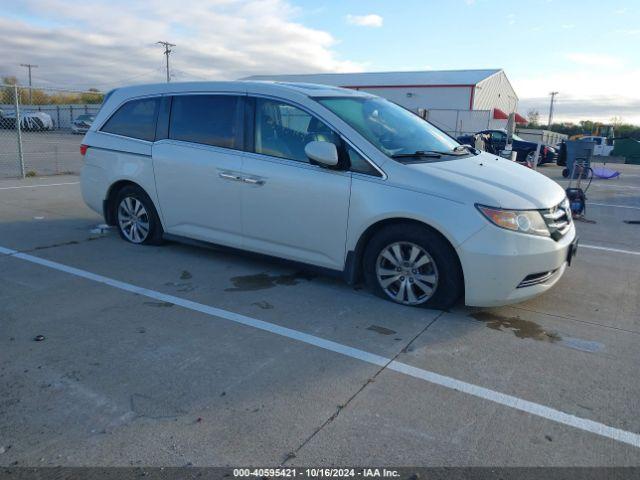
336,178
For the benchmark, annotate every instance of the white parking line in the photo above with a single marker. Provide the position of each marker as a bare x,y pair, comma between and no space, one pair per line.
516,403
612,205
39,185
607,249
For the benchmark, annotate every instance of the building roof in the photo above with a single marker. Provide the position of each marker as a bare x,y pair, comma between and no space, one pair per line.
380,79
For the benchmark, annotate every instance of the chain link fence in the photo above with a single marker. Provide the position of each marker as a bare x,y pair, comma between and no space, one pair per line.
41,129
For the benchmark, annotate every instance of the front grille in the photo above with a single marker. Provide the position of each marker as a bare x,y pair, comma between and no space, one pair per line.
558,219
536,278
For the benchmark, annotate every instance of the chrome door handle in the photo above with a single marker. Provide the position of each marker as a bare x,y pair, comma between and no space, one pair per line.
230,176
253,181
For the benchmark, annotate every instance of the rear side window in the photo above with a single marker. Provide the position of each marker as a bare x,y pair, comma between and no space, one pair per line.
207,119
135,119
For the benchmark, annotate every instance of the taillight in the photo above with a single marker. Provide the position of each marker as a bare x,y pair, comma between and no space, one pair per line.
83,149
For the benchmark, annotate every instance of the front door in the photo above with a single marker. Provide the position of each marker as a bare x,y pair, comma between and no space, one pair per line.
198,168
292,208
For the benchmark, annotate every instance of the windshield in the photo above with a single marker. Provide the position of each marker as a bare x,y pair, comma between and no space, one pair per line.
391,128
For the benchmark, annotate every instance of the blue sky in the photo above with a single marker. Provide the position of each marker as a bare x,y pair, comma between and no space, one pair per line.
586,50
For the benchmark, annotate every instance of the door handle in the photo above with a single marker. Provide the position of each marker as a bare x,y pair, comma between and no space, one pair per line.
230,176
253,181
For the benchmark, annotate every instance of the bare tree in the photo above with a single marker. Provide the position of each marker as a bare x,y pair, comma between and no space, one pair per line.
533,116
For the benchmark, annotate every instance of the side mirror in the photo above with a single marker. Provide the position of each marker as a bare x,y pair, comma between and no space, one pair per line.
325,153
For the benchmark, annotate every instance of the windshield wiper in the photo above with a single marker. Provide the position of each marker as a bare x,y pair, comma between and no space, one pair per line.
457,151
419,153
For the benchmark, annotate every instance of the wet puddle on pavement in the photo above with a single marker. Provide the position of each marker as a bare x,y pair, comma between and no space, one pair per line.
527,329
261,281
520,328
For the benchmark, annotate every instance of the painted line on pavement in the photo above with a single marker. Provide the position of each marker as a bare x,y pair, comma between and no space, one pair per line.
612,205
516,403
39,185
607,249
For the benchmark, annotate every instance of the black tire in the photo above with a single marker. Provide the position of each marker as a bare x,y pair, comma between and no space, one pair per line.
154,235
450,283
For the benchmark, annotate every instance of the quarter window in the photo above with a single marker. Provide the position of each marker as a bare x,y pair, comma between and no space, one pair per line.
135,119
206,119
359,164
282,130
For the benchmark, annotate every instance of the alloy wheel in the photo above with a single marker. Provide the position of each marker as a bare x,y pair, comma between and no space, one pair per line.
407,273
133,219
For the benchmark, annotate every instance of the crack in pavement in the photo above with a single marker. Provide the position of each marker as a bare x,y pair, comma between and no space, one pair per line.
370,380
55,245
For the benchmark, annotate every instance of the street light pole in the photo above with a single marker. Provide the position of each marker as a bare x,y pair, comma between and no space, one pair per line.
553,96
29,66
167,51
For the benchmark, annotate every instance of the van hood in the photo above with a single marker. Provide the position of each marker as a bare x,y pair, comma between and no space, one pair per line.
495,182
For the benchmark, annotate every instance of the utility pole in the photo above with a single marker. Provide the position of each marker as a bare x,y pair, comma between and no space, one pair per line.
167,51
553,97
29,67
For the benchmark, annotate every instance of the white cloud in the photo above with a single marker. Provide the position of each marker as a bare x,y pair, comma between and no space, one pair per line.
94,43
588,93
371,20
594,59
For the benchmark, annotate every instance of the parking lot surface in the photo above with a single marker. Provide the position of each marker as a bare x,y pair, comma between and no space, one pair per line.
44,153
181,355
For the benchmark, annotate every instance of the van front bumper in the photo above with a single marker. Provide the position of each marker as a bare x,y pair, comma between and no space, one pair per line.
502,267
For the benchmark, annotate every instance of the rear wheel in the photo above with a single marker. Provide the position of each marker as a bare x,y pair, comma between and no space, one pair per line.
413,265
136,217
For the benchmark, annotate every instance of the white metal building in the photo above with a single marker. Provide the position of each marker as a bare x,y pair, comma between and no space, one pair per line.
459,101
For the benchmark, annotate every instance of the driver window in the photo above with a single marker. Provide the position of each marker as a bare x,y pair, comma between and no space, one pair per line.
282,130
497,136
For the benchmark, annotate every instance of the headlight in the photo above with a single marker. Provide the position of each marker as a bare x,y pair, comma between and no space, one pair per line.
523,221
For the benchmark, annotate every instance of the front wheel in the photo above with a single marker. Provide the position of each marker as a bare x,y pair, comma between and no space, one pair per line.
413,265
136,217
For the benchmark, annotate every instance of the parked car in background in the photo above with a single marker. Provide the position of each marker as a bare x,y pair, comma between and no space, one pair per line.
496,140
332,177
82,123
29,121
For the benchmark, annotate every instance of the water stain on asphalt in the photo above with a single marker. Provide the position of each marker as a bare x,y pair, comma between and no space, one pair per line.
159,304
262,281
381,330
263,305
185,275
520,328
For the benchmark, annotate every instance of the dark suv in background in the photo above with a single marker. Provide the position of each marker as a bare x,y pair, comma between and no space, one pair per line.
496,140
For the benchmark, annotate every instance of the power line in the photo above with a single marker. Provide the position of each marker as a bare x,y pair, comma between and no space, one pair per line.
167,51
29,67
553,96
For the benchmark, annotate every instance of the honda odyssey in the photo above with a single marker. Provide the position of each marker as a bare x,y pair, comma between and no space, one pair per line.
336,178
